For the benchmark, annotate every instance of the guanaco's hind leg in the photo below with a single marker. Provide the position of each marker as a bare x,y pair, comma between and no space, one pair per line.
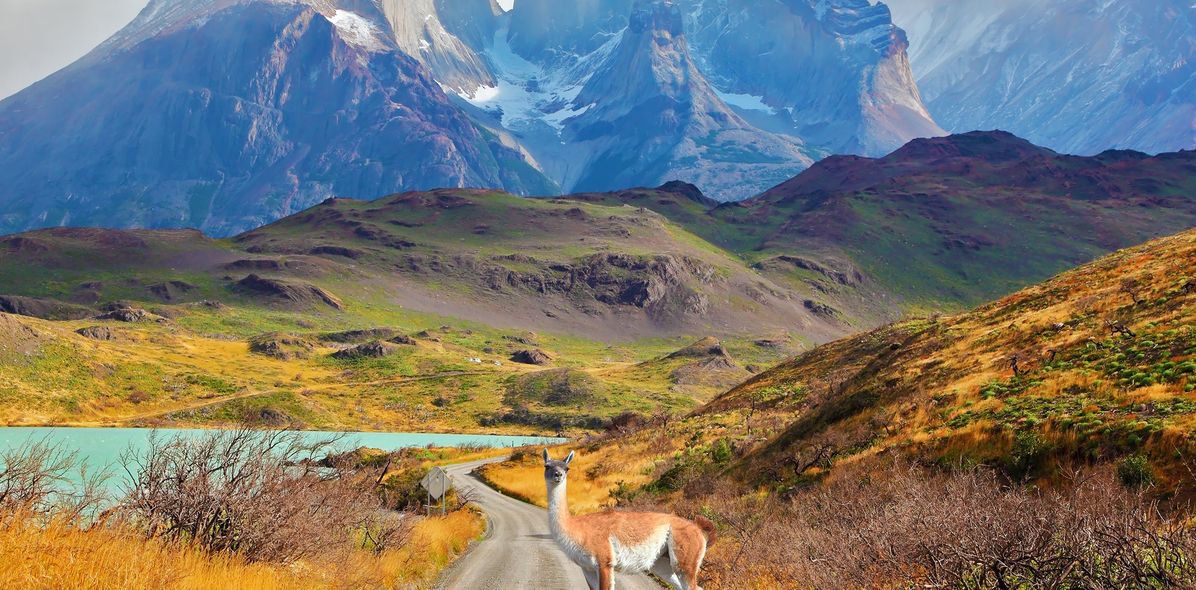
591,578
687,550
663,569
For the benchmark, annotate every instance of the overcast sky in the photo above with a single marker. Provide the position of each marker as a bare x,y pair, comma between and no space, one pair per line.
39,37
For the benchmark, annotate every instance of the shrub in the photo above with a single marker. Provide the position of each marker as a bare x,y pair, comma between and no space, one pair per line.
42,480
261,494
1134,471
906,527
722,452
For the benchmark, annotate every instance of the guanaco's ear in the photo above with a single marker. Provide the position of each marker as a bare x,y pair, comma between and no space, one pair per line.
569,459
545,455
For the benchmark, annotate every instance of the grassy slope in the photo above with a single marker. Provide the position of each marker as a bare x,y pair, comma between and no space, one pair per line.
947,223
196,368
943,390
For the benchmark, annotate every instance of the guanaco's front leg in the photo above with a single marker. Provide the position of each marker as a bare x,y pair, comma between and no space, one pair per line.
606,577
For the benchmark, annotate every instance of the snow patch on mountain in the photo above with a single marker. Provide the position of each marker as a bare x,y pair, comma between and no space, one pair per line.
355,29
528,93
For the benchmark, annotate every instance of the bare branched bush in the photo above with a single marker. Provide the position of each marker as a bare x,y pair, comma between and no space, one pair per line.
43,481
262,494
963,530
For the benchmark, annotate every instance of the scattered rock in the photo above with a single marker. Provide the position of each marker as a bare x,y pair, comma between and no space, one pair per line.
402,339
128,315
532,357
526,338
97,333
820,309
287,291
363,351
281,346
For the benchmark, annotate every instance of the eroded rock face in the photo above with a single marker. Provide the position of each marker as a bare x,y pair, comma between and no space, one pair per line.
664,286
16,337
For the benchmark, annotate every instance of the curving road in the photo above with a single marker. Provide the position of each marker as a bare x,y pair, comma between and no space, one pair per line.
518,553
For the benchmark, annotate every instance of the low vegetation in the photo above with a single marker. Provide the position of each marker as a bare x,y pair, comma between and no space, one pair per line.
242,508
1041,441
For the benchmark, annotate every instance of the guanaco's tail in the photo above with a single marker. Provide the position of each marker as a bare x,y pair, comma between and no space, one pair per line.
707,528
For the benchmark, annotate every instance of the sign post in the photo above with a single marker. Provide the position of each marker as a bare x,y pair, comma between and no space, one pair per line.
437,484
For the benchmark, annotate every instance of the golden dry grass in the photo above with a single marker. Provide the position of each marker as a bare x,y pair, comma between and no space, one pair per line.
595,472
54,557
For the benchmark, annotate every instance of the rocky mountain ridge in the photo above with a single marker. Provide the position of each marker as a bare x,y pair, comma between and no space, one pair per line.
227,114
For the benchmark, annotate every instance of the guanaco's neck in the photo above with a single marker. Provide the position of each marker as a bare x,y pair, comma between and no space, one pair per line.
558,509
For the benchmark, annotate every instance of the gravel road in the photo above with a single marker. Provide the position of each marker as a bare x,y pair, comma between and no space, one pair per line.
518,553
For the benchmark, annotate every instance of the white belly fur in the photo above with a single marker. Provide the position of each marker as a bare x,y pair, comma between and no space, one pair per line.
641,556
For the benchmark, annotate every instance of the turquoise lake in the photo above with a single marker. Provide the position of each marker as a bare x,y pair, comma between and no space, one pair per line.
102,447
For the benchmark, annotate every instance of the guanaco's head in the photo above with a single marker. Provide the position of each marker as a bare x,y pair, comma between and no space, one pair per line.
555,472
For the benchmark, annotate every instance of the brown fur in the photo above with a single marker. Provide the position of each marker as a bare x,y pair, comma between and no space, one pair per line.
593,533
707,527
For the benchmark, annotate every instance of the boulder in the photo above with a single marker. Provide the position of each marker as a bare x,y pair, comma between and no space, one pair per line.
364,351
97,333
532,356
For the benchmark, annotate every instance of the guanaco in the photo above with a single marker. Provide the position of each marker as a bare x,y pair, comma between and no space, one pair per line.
630,542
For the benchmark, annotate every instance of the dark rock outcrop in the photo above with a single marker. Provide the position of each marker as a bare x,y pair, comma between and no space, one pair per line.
364,351
819,309
532,357
46,309
128,315
97,333
336,251
286,292
358,336
281,346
